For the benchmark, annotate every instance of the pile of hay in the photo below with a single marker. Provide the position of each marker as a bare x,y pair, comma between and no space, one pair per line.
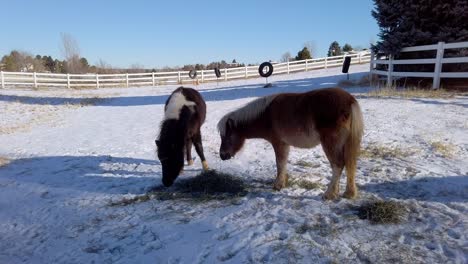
212,182
208,185
382,212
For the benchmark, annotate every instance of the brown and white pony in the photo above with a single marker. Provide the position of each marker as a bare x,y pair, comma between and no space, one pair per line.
331,117
184,114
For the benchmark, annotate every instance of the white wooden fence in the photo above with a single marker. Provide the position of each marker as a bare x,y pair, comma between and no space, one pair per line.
37,80
439,60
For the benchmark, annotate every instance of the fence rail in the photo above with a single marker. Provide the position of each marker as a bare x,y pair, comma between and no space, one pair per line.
438,61
38,80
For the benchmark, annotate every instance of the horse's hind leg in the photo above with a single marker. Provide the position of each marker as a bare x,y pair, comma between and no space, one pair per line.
188,151
197,141
282,153
333,147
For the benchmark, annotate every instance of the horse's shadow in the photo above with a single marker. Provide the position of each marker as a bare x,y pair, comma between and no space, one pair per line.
98,174
121,175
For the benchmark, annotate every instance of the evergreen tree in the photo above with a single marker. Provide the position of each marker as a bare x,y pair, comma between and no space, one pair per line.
49,63
84,63
406,23
347,48
9,62
334,49
303,54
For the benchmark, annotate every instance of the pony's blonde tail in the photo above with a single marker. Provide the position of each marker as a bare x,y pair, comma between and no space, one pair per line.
353,143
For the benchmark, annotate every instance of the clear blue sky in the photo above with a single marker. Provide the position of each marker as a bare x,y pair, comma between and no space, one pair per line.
170,33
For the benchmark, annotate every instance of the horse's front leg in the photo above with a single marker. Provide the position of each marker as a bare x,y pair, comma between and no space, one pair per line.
282,153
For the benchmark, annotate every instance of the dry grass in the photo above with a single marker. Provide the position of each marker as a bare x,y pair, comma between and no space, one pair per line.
321,229
411,93
374,151
445,149
44,111
308,164
4,161
382,212
304,184
208,185
90,101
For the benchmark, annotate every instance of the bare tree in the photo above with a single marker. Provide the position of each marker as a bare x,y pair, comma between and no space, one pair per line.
71,52
136,68
103,67
286,57
310,45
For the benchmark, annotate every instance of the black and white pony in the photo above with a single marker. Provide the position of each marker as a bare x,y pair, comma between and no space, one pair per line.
184,114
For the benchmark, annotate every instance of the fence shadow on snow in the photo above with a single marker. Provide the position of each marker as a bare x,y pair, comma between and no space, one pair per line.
102,174
212,94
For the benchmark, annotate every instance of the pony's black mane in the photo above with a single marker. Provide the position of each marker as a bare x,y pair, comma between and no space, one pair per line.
173,130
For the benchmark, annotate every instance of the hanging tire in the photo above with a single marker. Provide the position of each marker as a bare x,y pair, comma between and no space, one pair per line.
217,72
192,74
262,67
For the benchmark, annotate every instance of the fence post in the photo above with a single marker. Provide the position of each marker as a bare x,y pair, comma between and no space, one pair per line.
3,79
202,76
438,65
326,62
68,80
390,71
35,80
97,81
246,72
288,66
152,76
126,79
179,79
225,74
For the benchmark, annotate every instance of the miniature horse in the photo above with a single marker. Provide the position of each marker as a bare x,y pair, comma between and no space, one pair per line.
331,117
184,113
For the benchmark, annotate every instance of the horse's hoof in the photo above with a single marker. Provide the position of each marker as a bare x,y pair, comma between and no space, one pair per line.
330,195
279,186
190,162
205,165
350,194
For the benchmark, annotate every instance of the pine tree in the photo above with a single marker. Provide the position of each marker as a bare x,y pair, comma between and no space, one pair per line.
303,54
334,49
405,23
49,63
84,63
347,48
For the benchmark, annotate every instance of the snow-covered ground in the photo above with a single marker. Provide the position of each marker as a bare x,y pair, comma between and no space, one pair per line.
65,155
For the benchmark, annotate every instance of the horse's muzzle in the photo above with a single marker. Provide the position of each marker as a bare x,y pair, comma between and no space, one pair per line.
167,183
225,155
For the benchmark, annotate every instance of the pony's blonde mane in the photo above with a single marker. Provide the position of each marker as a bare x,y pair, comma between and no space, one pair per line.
247,113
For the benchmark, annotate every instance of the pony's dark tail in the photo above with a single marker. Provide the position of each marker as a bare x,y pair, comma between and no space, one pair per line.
353,143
